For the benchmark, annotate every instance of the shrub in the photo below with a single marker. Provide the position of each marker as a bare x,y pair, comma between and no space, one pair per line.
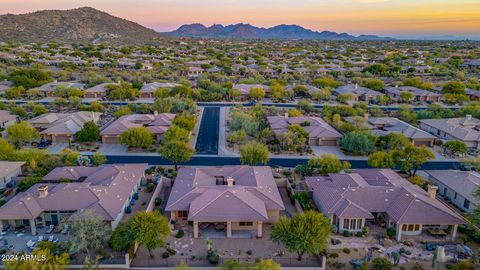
391,232
346,250
359,234
346,233
150,187
128,209
158,201
365,230
135,196
165,254
2,202
333,255
213,258
171,251
180,234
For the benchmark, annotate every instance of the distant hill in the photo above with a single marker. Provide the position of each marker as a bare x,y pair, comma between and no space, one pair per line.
76,25
247,31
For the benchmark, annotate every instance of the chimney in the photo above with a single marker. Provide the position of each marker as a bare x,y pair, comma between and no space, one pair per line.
356,86
286,115
469,117
230,181
55,81
43,191
432,191
396,85
366,116
155,113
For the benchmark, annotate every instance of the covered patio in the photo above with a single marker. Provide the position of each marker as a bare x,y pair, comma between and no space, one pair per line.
229,229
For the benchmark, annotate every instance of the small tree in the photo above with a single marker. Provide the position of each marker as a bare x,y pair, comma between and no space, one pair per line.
176,133
358,142
88,231
411,158
328,163
6,149
257,93
455,147
149,229
21,132
176,151
254,153
304,233
381,160
98,159
406,96
90,132
124,110
137,137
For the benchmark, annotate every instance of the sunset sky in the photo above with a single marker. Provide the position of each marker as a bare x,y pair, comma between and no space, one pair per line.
397,18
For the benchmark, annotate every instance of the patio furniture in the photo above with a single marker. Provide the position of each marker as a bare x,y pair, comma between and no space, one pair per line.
435,232
20,234
65,229
219,227
40,238
31,244
50,238
50,229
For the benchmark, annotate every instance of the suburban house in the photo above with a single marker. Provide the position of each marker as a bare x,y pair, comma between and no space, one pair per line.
149,89
419,94
238,198
382,126
465,129
62,127
457,187
359,93
245,88
156,123
48,90
380,197
97,91
310,88
319,131
8,171
193,72
106,190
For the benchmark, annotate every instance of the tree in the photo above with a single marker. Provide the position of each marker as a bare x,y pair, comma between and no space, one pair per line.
374,84
123,110
121,238
6,149
98,159
395,141
294,113
454,87
69,157
237,137
327,163
326,82
322,94
455,147
176,133
137,137
149,229
406,96
381,160
345,98
176,151
411,158
262,264
257,93
277,91
358,143
88,230
254,153
381,263
90,132
15,92
186,121
29,77
121,91
305,105
304,233
377,69
21,132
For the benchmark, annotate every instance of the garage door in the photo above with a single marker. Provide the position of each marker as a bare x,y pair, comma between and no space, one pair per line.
328,142
61,139
111,140
420,143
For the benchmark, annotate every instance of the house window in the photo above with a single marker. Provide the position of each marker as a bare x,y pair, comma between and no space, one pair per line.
353,224
359,224
410,227
346,223
244,223
182,214
466,204
455,196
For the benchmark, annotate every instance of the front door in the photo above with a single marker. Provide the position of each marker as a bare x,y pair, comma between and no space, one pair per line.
54,219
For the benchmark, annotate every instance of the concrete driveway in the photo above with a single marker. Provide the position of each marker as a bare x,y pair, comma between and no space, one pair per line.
56,148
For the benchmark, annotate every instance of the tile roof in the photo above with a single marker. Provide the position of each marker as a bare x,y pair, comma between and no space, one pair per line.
464,128
318,128
364,191
63,123
463,182
151,87
8,167
156,123
253,193
105,190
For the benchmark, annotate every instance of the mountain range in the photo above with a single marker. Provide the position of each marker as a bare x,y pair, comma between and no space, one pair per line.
75,25
247,31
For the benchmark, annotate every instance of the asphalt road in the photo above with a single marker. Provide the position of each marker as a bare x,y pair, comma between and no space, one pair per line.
283,162
207,137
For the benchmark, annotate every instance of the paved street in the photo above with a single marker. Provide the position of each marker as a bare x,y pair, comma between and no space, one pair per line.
207,138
